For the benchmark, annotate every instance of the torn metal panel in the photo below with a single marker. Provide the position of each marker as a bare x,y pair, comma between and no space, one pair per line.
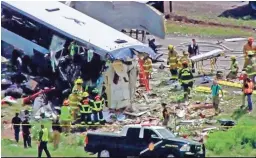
120,81
124,15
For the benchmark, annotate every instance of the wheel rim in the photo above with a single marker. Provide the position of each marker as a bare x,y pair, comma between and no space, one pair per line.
104,153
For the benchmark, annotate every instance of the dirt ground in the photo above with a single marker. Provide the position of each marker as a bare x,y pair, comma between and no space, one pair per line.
211,8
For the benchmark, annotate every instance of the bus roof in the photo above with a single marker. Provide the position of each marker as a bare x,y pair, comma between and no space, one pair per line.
77,25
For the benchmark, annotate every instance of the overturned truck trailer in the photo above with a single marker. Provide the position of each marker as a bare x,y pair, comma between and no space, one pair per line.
124,15
39,39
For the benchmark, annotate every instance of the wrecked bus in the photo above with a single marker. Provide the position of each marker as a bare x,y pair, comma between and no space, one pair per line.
37,40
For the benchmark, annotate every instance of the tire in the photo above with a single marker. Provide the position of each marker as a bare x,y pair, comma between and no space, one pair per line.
104,153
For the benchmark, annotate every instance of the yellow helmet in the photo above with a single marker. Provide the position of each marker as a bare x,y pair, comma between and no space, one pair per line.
233,57
170,47
85,94
79,81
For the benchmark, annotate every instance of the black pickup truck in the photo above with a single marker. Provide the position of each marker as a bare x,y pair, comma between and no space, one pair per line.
139,140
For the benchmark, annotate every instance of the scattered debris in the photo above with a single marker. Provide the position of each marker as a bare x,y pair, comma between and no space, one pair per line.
9,100
210,129
225,122
146,97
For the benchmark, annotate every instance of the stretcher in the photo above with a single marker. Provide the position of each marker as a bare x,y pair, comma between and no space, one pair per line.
204,89
212,56
230,84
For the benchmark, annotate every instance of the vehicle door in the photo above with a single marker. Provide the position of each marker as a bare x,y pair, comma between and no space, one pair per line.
129,146
149,143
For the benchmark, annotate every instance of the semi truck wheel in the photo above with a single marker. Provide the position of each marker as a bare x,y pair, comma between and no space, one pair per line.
104,153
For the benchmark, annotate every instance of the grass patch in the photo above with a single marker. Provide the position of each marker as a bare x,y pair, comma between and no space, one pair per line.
237,141
11,149
207,31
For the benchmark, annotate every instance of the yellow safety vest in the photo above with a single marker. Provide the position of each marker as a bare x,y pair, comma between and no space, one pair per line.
45,135
97,105
85,108
173,60
184,58
251,68
74,100
65,113
234,66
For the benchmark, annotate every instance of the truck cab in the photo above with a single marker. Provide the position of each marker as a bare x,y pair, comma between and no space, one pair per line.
141,140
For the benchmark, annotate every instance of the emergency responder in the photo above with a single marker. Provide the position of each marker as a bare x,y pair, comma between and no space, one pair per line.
26,132
65,117
75,97
186,58
74,102
85,110
248,47
147,65
248,90
43,140
186,79
233,69
173,62
251,67
78,86
97,106
16,121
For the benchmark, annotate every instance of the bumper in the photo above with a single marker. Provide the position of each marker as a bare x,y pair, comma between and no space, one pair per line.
190,155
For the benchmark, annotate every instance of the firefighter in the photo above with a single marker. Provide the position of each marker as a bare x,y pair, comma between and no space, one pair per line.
85,110
233,69
78,86
173,62
186,79
147,65
248,47
75,97
97,106
251,67
186,58
74,102
65,117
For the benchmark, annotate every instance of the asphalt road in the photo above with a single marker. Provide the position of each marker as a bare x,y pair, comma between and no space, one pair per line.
223,62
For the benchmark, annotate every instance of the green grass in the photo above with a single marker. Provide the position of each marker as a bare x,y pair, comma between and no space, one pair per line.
70,146
200,30
11,149
237,141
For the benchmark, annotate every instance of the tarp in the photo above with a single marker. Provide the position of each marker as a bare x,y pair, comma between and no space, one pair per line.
124,15
123,53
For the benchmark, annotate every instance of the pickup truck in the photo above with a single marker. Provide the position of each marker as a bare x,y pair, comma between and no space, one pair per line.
140,140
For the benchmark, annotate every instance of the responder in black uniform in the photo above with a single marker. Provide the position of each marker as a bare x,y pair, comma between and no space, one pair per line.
85,109
186,79
97,106
26,132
